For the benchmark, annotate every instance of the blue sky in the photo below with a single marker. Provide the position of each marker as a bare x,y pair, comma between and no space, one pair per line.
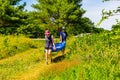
28,4
93,10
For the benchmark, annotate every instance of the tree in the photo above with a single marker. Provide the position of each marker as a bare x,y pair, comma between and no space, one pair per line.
11,15
57,13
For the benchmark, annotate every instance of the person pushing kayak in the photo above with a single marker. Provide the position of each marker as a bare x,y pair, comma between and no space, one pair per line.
49,44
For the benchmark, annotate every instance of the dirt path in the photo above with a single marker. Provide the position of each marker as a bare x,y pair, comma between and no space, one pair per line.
42,68
59,64
18,56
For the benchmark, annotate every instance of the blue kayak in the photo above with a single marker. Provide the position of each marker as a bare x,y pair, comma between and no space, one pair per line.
59,46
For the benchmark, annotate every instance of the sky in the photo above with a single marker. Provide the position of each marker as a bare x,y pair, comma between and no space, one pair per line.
93,10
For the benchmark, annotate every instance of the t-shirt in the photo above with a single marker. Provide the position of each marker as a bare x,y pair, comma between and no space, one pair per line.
64,35
49,39
49,42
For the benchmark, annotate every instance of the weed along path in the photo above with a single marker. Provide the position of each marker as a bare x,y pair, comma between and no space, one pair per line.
19,56
19,63
40,69
29,65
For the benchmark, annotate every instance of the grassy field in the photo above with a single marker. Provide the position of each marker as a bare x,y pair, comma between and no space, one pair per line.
91,57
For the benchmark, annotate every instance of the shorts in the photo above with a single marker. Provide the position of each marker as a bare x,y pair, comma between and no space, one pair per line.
48,46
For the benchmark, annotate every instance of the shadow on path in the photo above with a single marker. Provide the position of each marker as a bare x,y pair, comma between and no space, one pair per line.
59,58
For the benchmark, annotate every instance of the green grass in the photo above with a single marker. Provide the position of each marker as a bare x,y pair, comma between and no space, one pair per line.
95,57
11,45
98,57
19,64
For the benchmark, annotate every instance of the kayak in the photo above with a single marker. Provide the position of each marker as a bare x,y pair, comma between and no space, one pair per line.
59,46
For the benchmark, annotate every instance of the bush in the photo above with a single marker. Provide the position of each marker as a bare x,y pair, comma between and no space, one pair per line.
11,45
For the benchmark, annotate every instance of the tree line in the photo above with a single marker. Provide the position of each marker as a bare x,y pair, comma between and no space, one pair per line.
47,14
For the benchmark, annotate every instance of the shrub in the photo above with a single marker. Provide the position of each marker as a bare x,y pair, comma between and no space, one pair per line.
11,45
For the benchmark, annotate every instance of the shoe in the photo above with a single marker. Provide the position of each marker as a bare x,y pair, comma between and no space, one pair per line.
47,62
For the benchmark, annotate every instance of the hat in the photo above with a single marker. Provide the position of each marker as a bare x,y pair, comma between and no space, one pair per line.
63,27
47,32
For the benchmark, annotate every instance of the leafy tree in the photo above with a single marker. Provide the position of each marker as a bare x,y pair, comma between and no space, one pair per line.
54,14
116,28
32,27
12,15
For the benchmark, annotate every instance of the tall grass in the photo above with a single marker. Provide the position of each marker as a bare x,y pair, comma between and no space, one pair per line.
12,67
10,45
98,57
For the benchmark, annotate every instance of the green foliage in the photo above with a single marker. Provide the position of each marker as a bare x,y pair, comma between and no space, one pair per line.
27,59
14,66
115,32
60,13
15,20
11,16
31,30
97,56
10,45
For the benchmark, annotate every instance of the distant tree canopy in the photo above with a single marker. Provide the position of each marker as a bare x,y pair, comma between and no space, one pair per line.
47,14
11,15
53,14
59,12
116,27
